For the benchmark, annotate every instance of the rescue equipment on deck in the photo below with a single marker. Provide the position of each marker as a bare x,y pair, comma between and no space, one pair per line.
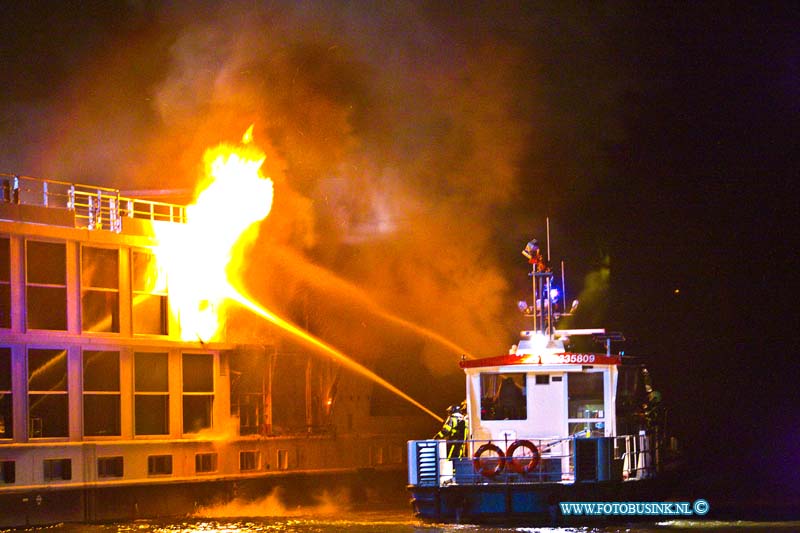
489,466
517,464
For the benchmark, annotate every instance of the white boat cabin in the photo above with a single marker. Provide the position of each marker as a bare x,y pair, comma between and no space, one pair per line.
539,391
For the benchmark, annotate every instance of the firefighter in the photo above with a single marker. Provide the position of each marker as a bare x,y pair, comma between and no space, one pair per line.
455,430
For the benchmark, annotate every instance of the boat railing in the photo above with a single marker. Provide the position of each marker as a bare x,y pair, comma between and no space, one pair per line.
93,207
548,460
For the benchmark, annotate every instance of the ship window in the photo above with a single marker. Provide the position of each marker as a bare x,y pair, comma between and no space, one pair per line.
198,391
8,471
542,379
110,466
101,398
159,465
57,469
46,285
249,460
5,282
151,394
248,390
585,391
48,412
586,406
283,459
6,403
100,289
149,295
503,397
205,462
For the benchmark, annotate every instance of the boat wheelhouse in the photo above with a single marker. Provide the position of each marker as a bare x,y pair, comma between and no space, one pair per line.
545,424
108,412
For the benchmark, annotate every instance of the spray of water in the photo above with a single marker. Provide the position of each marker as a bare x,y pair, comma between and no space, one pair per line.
238,296
327,281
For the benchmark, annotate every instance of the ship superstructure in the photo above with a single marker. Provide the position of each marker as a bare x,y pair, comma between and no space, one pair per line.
107,411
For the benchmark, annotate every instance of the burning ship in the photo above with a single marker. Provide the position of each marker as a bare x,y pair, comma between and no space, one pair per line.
123,391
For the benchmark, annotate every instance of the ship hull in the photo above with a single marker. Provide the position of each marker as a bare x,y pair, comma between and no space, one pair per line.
88,504
521,503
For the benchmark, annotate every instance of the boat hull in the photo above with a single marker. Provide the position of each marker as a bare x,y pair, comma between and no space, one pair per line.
184,498
523,503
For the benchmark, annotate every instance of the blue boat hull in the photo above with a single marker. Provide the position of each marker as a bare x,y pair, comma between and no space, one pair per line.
521,503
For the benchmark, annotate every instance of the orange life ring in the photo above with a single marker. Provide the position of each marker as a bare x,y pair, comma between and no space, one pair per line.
485,467
515,464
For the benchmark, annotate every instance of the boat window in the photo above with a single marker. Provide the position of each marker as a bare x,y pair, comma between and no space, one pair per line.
151,394
46,285
585,395
57,469
198,391
503,396
159,465
8,472
205,462
110,466
100,289
542,379
5,282
149,294
586,404
101,394
48,413
6,403
249,377
249,460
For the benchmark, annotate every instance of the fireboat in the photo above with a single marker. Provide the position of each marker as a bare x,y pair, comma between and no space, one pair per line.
546,424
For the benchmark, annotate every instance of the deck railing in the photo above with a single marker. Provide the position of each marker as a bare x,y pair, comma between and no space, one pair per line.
560,460
93,207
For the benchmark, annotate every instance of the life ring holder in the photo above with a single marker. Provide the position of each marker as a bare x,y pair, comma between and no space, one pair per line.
483,467
516,465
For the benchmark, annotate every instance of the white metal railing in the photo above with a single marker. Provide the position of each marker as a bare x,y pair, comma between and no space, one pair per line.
93,207
439,462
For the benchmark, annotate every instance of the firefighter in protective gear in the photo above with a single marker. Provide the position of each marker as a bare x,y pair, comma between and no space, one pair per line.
455,430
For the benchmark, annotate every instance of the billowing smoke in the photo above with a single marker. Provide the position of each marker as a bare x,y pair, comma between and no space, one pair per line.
394,133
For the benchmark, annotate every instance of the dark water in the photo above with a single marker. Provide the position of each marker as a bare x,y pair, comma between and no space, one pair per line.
329,520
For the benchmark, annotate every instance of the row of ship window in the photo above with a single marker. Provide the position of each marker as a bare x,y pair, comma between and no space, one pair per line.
48,395
157,465
45,283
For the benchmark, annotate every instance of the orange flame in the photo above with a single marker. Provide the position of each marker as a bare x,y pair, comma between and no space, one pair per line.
219,223
199,254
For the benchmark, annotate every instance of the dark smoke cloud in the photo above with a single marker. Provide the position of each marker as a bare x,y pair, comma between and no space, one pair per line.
401,137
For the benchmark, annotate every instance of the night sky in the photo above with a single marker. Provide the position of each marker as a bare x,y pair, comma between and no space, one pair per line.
416,147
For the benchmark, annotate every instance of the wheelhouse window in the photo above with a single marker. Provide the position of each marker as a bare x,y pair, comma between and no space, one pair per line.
6,403
151,394
586,405
198,391
503,396
5,282
101,395
100,290
48,412
46,285
149,294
